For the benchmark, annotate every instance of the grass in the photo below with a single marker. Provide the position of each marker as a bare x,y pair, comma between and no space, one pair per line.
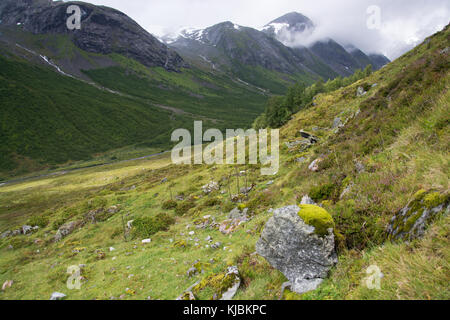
49,120
398,131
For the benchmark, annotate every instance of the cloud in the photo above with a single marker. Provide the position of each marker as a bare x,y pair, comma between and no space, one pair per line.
404,23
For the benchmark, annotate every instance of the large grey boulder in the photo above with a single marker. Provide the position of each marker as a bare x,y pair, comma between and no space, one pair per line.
294,248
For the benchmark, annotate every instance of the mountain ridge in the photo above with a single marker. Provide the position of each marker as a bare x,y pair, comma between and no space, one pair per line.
104,30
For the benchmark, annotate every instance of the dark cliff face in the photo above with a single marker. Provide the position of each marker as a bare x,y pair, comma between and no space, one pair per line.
103,30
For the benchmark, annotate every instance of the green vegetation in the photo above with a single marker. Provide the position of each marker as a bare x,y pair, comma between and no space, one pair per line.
280,109
147,226
398,131
48,120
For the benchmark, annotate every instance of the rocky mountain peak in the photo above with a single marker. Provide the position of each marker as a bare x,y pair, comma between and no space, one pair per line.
103,30
287,26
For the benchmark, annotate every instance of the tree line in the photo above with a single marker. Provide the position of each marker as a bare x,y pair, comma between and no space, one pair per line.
279,109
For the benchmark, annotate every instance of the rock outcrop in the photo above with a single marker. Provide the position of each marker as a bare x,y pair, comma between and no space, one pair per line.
411,222
303,253
65,230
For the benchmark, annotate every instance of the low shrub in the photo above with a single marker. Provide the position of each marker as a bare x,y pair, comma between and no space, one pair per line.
40,221
183,207
148,226
169,205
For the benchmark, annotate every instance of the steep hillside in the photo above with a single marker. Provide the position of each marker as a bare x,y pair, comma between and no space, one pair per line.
373,152
293,29
246,53
61,103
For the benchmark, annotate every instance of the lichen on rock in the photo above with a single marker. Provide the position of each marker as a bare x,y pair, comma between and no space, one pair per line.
411,222
221,286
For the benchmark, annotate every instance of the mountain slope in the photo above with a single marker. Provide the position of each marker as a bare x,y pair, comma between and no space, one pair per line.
391,143
293,29
245,53
389,146
116,100
104,30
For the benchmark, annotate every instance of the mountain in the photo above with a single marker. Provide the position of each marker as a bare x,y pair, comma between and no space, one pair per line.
376,162
293,29
378,60
339,59
104,30
245,53
273,53
286,27
70,95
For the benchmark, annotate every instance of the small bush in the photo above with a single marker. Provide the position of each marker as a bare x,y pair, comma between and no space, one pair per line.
169,205
211,202
183,207
39,221
323,192
148,226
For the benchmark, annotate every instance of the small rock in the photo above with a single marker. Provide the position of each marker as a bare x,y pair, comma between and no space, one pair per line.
57,296
359,166
7,284
210,187
314,166
192,272
307,200
312,139
360,92
6,234
337,123
216,245
27,229
130,224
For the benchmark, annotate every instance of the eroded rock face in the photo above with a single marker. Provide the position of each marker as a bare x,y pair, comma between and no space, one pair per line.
411,221
103,30
293,247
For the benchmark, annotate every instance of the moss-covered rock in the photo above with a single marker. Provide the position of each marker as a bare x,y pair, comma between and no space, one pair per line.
411,222
220,286
317,217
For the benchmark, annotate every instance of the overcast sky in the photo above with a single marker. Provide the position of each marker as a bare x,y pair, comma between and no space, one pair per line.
404,23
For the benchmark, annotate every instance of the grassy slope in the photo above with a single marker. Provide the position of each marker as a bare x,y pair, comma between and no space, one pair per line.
401,136
49,119
52,119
